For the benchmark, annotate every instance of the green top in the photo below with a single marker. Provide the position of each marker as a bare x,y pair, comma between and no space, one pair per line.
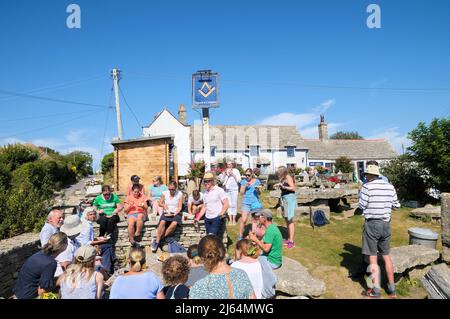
107,205
273,236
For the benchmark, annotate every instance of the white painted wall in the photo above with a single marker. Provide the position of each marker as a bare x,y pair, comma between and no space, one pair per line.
166,124
276,158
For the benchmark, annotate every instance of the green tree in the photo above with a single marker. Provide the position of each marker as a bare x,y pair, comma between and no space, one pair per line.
407,177
14,155
431,150
82,161
340,135
108,164
344,164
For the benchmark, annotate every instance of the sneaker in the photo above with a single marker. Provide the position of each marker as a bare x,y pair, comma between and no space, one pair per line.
290,245
154,246
285,242
370,294
392,295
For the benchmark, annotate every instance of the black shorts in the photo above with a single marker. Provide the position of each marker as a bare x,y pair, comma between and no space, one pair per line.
177,219
376,237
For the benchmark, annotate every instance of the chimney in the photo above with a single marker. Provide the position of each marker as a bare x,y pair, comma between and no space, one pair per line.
323,129
182,115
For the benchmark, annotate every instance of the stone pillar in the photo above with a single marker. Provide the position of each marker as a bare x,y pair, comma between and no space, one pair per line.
445,222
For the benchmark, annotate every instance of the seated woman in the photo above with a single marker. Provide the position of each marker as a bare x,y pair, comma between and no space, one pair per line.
197,270
136,208
154,194
138,283
36,276
175,272
135,180
172,202
195,205
108,206
102,245
81,280
223,282
257,228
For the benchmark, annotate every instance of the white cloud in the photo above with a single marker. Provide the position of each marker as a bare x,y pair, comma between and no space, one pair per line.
394,137
76,136
306,123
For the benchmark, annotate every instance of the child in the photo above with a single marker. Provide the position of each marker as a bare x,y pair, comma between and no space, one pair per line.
175,272
257,229
195,205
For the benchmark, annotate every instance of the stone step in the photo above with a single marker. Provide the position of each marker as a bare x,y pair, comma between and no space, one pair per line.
408,257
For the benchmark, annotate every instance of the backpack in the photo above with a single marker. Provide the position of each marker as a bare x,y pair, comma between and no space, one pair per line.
175,247
319,218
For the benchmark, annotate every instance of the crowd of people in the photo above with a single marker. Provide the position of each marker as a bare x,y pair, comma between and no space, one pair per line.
74,264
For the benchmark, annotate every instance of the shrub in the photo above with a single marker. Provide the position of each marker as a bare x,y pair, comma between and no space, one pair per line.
196,169
344,165
108,164
15,155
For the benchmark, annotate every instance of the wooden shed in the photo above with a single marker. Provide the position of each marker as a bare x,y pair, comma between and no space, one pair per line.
145,157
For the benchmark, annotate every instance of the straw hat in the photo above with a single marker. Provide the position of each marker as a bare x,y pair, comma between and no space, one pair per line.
373,169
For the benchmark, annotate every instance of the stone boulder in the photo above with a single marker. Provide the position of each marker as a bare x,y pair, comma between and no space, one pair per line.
437,282
407,257
92,191
427,211
294,279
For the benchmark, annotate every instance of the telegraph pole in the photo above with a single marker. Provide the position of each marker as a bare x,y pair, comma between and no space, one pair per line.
116,75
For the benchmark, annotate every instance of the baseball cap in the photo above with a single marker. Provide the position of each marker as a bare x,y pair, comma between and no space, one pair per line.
85,253
264,212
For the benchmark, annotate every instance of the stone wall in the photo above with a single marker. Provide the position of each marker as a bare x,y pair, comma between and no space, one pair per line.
185,235
13,253
445,221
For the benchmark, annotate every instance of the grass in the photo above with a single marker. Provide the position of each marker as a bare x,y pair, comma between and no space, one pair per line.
330,252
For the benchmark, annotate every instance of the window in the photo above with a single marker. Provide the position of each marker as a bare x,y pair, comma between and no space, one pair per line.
213,151
254,150
291,151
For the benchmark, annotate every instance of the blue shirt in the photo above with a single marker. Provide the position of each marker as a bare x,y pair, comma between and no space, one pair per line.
157,191
139,286
251,195
47,231
37,272
87,234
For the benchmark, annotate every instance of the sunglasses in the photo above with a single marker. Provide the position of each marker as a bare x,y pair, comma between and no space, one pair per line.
248,175
172,190
208,181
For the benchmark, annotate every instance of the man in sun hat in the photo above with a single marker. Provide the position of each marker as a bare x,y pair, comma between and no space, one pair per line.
215,204
72,227
377,198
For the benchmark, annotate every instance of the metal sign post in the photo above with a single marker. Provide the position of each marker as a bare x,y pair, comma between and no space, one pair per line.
205,94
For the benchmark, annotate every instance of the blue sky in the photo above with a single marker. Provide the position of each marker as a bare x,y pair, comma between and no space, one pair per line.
280,62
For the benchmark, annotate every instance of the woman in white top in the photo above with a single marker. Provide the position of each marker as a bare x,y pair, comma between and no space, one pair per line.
172,203
230,179
246,256
80,280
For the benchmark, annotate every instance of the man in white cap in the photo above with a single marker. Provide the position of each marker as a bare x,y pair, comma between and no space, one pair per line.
72,228
216,204
377,199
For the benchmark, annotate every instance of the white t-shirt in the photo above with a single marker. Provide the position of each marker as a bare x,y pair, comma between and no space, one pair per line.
231,184
213,201
191,200
66,255
172,203
254,273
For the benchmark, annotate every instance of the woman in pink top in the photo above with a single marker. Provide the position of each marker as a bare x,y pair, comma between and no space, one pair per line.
136,208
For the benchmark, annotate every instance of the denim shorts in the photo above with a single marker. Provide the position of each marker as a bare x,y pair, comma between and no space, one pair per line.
245,207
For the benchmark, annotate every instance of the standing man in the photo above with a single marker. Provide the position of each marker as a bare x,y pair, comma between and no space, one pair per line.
272,242
55,220
230,179
215,205
377,199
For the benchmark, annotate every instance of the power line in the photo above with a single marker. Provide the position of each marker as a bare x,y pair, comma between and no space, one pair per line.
318,86
129,107
49,99
60,86
49,126
41,116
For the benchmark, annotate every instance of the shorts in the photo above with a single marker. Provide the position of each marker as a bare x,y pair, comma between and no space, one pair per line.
245,207
213,225
177,218
376,237
134,215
